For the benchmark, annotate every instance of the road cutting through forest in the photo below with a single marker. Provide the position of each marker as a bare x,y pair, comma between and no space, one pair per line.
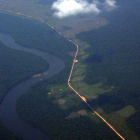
69,78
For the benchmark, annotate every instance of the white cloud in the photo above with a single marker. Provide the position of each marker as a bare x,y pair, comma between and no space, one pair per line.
110,4
64,8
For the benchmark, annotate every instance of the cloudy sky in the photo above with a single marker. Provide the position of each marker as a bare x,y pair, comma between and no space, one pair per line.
65,8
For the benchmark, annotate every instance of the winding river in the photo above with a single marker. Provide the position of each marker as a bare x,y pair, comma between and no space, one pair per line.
8,115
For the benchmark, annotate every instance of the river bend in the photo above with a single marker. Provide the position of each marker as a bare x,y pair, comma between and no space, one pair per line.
8,115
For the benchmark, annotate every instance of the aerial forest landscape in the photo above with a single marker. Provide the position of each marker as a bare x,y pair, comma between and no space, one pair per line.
69,70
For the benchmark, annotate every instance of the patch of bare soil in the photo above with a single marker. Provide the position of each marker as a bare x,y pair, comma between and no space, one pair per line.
37,75
72,115
82,112
77,114
61,101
